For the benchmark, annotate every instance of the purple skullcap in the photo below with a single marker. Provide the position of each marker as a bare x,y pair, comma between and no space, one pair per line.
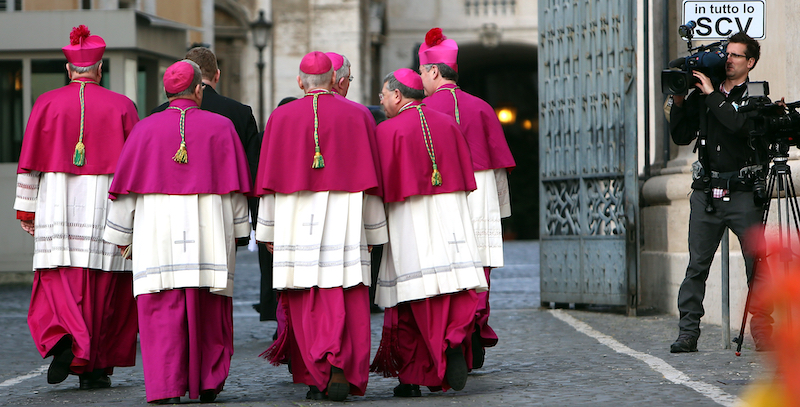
336,60
315,63
178,77
409,78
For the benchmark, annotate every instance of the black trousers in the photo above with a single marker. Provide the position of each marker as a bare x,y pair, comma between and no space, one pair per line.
268,301
740,215
269,297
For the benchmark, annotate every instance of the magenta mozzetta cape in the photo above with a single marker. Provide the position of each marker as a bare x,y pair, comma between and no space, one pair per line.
356,104
405,164
54,126
480,126
216,160
346,140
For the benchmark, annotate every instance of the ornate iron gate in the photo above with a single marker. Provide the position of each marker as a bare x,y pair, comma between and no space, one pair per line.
588,152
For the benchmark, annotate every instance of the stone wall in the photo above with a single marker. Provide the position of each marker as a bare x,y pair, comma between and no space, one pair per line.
318,25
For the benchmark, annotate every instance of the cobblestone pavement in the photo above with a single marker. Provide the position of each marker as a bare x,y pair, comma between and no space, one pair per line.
542,358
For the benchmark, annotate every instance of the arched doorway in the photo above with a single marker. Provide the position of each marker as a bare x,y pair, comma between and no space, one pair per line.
506,77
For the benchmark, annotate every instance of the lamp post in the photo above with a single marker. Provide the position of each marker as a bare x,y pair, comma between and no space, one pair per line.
261,29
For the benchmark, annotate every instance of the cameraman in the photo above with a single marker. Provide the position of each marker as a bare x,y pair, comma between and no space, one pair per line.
726,184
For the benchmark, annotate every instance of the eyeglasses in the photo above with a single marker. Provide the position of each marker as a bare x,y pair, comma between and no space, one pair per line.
350,78
735,55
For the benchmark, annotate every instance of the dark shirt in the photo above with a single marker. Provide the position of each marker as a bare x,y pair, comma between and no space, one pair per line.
728,132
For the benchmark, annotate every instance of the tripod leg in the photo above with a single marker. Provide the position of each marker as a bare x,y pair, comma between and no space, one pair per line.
740,339
795,206
773,176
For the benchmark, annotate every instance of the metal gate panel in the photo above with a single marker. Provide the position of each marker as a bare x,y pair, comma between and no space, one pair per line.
587,117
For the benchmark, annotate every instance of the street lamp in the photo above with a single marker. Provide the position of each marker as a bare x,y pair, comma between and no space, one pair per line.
261,29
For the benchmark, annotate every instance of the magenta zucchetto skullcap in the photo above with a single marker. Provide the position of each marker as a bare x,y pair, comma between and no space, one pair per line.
336,60
178,77
315,63
409,78
84,49
437,49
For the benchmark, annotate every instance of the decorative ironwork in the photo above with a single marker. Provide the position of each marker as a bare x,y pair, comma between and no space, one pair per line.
587,111
562,208
604,200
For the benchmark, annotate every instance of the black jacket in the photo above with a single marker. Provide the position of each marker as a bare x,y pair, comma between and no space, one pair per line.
242,117
728,132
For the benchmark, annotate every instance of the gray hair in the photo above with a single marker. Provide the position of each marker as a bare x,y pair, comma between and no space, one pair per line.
85,69
343,72
445,70
392,83
196,80
316,81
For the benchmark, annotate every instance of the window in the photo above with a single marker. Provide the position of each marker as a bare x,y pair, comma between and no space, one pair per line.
141,92
49,74
11,124
490,7
7,4
46,75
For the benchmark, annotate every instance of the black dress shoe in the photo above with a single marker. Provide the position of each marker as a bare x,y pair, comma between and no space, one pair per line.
208,396
407,390
338,387
62,358
684,343
85,381
97,379
478,351
315,394
102,382
456,371
171,400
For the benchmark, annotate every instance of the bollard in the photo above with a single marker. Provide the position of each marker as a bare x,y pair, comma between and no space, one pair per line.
726,294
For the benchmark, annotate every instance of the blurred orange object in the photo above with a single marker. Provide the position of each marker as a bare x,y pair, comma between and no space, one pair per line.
783,291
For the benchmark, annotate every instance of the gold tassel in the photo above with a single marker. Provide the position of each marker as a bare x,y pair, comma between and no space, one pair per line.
181,156
436,178
80,154
319,162
127,252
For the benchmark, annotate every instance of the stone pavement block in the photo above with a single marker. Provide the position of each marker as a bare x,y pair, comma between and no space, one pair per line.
539,361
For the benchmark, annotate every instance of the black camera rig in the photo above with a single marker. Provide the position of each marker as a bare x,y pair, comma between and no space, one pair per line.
708,59
775,123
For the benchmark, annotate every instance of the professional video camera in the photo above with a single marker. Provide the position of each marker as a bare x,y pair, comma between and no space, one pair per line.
774,123
773,129
708,59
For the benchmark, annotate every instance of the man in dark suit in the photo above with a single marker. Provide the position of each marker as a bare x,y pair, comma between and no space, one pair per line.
242,117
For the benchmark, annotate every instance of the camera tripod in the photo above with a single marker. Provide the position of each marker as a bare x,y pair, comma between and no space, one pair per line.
779,185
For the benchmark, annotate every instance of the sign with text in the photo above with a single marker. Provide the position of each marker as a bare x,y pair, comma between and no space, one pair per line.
720,19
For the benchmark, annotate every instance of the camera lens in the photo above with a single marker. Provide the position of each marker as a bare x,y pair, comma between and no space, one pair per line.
675,82
679,82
